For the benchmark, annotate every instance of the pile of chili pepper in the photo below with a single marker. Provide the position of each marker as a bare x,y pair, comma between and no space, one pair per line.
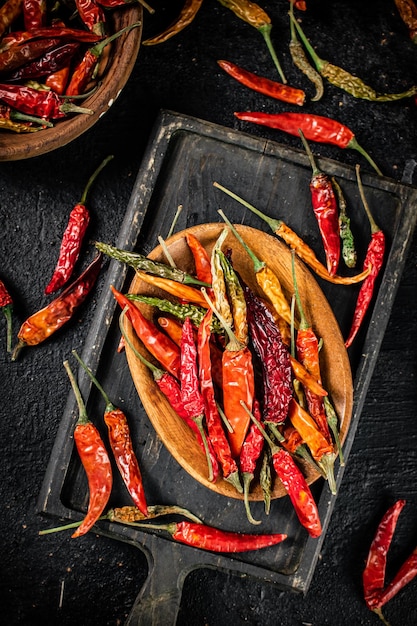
51,57
215,386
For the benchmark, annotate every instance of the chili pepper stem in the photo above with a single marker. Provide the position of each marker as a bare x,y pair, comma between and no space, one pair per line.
265,31
381,617
354,145
272,223
199,423
318,62
7,310
109,405
314,166
234,480
93,177
374,226
327,464
233,343
57,529
303,452
82,417
257,264
333,424
247,479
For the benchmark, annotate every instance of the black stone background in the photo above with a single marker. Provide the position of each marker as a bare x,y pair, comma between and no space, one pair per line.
100,577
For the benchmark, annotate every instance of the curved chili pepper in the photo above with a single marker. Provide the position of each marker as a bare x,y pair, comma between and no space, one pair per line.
73,237
300,60
348,244
407,10
92,16
307,379
42,103
6,305
254,15
310,434
373,577
185,292
9,11
201,258
342,79
95,460
263,85
155,341
34,13
374,259
53,60
184,19
405,575
315,128
294,443
297,244
121,444
249,455
42,324
325,209
17,38
170,388
214,424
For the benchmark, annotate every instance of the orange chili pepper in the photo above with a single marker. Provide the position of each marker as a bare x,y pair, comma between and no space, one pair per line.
184,292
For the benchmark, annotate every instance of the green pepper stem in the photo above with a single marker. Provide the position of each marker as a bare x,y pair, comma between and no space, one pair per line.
333,424
257,264
98,48
374,226
318,62
109,404
353,144
303,320
265,31
93,178
274,448
198,420
156,371
7,310
234,344
272,223
83,417
314,166
247,479
175,220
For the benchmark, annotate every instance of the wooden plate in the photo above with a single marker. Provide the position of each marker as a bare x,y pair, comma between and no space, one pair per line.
336,373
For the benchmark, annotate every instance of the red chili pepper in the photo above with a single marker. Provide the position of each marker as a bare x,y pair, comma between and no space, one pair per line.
58,81
6,305
156,342
215,429
42,103
95,460
268,87
373,577
201,258
374,260
42,324
301,5
17,38
249,455
92,16
325,209
9,11
315,128
185,17
34,13
121,444
405,574
53,60
73,237
18,56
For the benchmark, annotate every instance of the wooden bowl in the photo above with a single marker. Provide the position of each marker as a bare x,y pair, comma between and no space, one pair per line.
336,373
123,56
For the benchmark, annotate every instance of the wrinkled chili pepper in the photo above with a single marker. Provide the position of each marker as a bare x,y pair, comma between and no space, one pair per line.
263,85
265,479
84,71
170,388
52,61
121,444
315,128
201,258
34,13
374,259
184,292
141,262
405,575
373,577
191,396
249,455
95,460
92,16
274,358
294,443
254,15
295,485
342,79
73,237
349,253
310,434
9,11
6,305
155,341
219,290
17,38
184,19
18,127
16,57
58,81
325,209
296,243
215,429
42,324
44,104
304,376
236,299
300,60
408,12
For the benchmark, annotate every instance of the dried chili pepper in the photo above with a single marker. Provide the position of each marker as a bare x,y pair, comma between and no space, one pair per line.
34,13
265,479
349,253
121,444
215,430
300,60
184,19
296,243
92,16
342,79
184,292
405,575
254,15
16,38
58,81
294,443
170,388
295,485
274,357
315,128
9,11
236,299
215,540
53,60
6,305
325,209
263,85
73,236
18,127
95,460
219,291
373,577
156,342
44,104
301,5
408,12
310,434
201,258
84,71
249,455
143,263
304,377
374,259
42,324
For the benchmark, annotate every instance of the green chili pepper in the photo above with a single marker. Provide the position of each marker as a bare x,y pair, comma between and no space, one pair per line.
301,61
349,253
236,299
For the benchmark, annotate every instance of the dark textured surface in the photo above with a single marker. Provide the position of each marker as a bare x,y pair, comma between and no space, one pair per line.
57,581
